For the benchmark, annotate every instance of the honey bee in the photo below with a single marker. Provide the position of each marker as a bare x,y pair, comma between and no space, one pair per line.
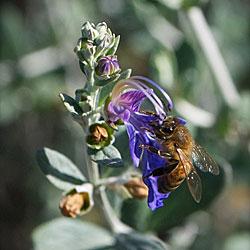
182,155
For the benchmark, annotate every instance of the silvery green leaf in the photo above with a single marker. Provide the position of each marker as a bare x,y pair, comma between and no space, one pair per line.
60,170
125,74
71,104
114,47
89,32
84,67
136,241
68,234
105,91
112,79
104,45
102,29
107,157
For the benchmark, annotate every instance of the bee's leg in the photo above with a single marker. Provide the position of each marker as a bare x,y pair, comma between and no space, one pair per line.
149,113
156,151
150,131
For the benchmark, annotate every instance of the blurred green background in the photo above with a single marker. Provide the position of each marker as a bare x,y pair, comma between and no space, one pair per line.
37,62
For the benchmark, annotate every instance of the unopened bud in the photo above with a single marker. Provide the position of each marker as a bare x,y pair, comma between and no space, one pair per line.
84,50
89,31
137,188
103,31
107,66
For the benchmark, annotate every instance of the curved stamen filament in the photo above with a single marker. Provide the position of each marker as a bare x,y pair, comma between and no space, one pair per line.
138,85
168,99
128,84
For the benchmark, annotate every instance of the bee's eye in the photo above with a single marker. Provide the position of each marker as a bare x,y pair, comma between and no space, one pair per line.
167,130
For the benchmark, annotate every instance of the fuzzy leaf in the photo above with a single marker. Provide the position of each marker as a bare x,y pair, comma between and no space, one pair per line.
60,170
114,48
107,157
125,74
65,234
71,105
104,82
141,241
106,89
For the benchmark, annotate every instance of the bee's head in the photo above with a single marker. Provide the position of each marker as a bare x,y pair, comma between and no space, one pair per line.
169,124
167,127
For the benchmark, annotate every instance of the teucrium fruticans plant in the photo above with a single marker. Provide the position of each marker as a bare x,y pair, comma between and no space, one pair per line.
99,114
95,50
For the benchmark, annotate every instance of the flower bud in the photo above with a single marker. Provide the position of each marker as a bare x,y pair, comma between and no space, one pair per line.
77,201
107,66
103,31
89,31
137,188
85,50
100,135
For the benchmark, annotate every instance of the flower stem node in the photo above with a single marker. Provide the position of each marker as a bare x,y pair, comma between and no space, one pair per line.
100,135
136,188
77,201
107,67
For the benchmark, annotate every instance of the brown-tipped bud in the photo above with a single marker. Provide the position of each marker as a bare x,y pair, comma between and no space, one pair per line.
72,204
77,201
100,135
137,188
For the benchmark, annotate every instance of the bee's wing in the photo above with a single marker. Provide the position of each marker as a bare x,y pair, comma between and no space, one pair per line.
203,160
193,179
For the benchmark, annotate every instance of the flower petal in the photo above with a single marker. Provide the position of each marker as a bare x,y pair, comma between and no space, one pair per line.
132,99
116,112
134,143
151,162
155,198
168,99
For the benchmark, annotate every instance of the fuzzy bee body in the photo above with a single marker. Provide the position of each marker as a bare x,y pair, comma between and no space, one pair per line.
175,174
180,151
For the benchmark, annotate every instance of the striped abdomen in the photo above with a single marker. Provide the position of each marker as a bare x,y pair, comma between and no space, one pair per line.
172,180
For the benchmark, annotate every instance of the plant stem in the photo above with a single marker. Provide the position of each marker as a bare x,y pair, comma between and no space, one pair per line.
114,223
112,220
119,180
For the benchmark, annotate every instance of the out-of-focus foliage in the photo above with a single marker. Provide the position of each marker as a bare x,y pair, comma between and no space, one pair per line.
61,172
67,234
37,62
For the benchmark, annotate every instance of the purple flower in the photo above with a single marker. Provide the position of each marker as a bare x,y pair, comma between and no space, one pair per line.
126,103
